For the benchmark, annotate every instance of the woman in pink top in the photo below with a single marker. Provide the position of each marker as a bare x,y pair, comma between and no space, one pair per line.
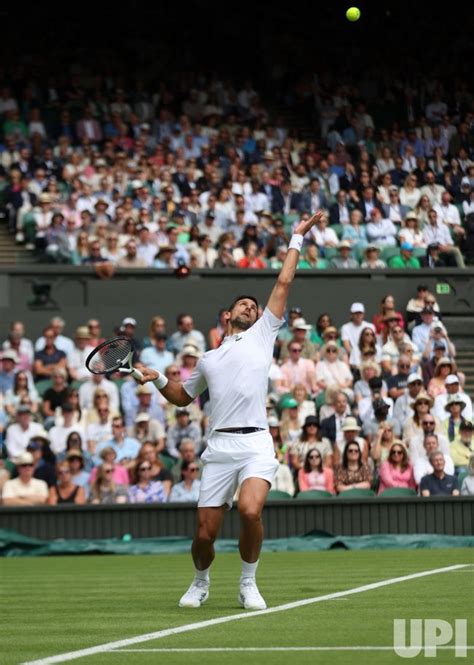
119,473
397,470
313,476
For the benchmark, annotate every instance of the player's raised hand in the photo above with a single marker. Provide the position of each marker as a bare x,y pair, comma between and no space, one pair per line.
306,224
148,375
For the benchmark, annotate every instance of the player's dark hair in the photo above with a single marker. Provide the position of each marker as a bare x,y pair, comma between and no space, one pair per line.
242,297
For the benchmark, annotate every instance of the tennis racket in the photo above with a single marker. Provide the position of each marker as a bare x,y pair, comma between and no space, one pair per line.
113,355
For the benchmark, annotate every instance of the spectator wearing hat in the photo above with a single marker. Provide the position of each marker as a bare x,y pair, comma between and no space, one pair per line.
9,361
402,409
344,259
439,482
184,428
410,231
25,490
450,427
352,472
20,432
149,429
309,439
406,258
141,399
386,317
444,367
44,459
372,413
433,258
453,387
372,260
462,449
79,475
186,334
301,331
50,358
351,332
125,446
188,359
157,356
82,348
290,419
16,341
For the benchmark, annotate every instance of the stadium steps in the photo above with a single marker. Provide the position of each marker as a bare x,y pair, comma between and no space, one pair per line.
12,254
465,362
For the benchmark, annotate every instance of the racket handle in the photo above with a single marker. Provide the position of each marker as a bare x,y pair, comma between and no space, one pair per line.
137,374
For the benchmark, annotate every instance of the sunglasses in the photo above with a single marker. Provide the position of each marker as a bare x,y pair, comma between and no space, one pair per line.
331,351
397,452
404,366
176,371
24,465
193,469
63,472
144,468
314,457
108,470
352,450
428,422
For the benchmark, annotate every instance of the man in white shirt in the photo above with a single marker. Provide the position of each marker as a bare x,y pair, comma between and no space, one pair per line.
25,490
351,331
431,189
240,449
448,214
422,465
59,433
61,342
82,348
452,388
19,433
381,232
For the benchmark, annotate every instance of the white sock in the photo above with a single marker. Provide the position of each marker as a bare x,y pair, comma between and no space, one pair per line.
248,569
202,575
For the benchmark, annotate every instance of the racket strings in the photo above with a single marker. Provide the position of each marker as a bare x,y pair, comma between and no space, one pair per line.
110,357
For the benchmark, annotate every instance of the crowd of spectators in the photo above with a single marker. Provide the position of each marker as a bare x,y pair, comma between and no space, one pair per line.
377,403
94,172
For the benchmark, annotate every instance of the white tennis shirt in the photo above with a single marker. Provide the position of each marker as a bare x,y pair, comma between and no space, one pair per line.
237,375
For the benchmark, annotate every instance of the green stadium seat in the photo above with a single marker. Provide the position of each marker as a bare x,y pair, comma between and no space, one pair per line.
278,495
330,253
388,253
320,400
398,492
356,493
42,386
314,494
167,461
461,476
338,230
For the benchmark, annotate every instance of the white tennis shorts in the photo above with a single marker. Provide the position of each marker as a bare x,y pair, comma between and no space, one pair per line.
229,459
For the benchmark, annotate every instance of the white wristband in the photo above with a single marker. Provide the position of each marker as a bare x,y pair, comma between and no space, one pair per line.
296,242
161,382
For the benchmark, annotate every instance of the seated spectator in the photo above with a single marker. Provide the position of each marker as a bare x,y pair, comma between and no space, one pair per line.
104,490
417,304
49,358
323,236
79,475
351,333
444,368
141,399
23,388
143,488
381,232
188,488
433,258
20,432
149,429
313,476
421,463
462,449
87,392
372,258
369,382
131,258
421,406
61,342
99,432
82,348
453,387
354,233
58,434
306,407
382,443
422,331
299,370
411,231
78,415
467,488
438,483
9,360
330,371
399,381
55,397
188,359
308,440
16,341
44,459
65,490
25,490
380,410
217,333
406,258
148,453
331,426
396,470
186,334
126,447
252,257
451,425
352,473
311,260
344,259
402,409
437,232
184,428
157,327
301,334
187,453
397,341
385,315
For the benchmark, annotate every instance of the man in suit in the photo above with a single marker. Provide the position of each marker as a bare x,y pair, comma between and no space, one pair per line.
433,258
331,428
285,201
339,212
312,198
368,202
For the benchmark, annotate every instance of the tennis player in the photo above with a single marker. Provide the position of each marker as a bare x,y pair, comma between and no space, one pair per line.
240,450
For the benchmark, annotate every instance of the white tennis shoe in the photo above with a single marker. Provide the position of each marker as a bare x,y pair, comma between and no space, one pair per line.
249,595
196,595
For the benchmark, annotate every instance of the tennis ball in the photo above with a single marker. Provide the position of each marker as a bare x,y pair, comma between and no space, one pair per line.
127,537
353,14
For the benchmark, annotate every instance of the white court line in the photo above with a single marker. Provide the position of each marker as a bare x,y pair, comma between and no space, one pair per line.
218,649
159,634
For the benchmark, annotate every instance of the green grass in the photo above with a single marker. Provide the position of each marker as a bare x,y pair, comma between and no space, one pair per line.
55,605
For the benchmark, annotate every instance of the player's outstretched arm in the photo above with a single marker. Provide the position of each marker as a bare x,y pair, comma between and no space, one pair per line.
279,295
173,391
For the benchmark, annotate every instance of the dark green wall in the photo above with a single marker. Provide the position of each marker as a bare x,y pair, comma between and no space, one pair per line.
78,294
